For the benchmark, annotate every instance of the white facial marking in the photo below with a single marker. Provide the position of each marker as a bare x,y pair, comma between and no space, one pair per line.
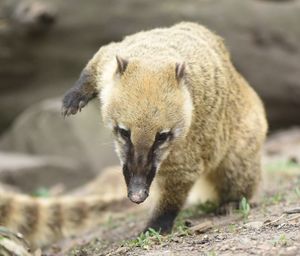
163,156
107,82
123,127
165,130
188,108
118,151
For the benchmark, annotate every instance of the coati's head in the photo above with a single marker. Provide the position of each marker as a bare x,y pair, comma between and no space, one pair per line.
149,109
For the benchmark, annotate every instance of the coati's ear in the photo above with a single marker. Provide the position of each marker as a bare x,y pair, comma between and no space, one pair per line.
180,70
122,64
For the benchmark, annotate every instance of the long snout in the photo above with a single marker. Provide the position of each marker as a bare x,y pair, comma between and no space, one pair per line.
138,196
138,191
139,173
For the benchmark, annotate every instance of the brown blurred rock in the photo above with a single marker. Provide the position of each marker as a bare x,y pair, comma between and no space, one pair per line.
263,37
81,140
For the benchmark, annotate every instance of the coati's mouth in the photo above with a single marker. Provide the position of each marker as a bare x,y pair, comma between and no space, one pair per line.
138,189
138,195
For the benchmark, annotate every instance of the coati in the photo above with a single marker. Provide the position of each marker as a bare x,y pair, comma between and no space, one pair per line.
179,111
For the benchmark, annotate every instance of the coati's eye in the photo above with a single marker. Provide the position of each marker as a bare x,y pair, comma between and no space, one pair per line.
162,137
125,134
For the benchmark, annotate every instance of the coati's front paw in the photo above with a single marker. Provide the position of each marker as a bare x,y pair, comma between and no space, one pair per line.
161,228
74,100
162,223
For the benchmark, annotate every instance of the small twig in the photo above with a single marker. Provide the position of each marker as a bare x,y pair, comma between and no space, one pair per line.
294,218
292,211
202,227
274,221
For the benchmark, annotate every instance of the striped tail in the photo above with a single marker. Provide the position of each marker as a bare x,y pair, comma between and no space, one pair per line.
43,221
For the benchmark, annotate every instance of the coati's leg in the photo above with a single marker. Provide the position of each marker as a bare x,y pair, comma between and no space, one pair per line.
238,176
85,88
78,96
173,192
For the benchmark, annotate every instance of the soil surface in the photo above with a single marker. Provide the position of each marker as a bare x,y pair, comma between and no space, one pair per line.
266,230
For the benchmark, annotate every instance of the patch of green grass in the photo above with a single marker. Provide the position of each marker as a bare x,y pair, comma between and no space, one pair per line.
180,224
208,207
281,241
41,192
297,192
282,165
232,228
146,239
130,217
294,196
277,198
198,210
274,199
111,223
244,208
211,253
181,229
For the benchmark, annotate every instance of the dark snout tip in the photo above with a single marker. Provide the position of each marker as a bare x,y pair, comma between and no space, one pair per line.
138,196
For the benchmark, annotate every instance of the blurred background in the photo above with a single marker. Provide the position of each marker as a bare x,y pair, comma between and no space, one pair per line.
45,44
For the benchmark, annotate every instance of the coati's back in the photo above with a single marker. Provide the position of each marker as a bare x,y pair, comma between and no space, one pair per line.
182,42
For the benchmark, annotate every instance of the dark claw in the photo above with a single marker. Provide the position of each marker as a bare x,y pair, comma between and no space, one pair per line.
63,111
74,111
73,102
69,112
81,104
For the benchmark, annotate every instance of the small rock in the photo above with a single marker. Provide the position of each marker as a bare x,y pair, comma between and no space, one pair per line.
281,225
254,224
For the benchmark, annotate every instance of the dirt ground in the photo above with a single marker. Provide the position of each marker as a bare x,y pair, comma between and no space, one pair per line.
266,230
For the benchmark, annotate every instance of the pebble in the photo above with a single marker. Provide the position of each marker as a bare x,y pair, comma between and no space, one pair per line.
254,224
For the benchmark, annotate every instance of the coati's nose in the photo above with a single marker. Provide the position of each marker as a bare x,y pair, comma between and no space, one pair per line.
138,196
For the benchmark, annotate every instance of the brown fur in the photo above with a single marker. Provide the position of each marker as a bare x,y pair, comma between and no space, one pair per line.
218,138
